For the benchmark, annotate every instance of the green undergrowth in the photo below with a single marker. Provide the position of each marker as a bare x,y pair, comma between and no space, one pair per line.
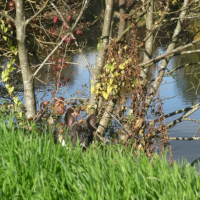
33,167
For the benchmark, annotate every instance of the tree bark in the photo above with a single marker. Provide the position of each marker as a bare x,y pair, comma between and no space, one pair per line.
102,52
149,41
104,122
122,23
27,75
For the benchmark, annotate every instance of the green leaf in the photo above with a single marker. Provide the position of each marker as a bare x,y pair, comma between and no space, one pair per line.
5,38
172,75
5,75
98,46
10,90
15,99
8,65
12,61
11,69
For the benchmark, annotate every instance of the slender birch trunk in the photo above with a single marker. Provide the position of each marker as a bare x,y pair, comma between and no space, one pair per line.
27,74
122,23
149,41
104,122
102,53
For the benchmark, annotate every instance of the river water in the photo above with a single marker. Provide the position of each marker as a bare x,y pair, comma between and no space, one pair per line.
175,91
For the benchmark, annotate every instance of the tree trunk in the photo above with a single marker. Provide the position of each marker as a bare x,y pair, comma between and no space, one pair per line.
102,52
27,75
104,122
163,66
122,23
149,41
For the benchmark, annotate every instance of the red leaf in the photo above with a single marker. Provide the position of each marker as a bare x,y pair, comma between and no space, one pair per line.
65,25
60,60
79,32
46,103
52,32
68,40
69,18
61,98
52,92
55,19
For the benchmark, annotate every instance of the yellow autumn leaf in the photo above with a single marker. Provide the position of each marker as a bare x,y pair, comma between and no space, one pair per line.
109,89
7,86
121,66
117,74
111,81
98,85
140,147
20,114
141,132
92,89
105,95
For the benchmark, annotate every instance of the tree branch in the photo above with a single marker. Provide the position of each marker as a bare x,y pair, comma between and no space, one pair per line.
184,138
167,55
183,117
36,14
171,71
43,63
7,16
8,35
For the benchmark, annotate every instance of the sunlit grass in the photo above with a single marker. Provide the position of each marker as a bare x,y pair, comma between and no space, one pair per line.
33,167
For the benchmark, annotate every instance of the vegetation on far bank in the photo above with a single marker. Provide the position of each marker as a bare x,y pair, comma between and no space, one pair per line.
33,167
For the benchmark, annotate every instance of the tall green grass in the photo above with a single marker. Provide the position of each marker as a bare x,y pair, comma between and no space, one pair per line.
32,167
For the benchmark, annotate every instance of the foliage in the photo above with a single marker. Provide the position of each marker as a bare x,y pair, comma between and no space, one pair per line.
33,167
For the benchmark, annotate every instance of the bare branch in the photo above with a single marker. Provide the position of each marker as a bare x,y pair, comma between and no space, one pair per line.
177,112
184,138
166,55
36,14
43,63
182,66
80,14
183,117
190,119
63,19
7,16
